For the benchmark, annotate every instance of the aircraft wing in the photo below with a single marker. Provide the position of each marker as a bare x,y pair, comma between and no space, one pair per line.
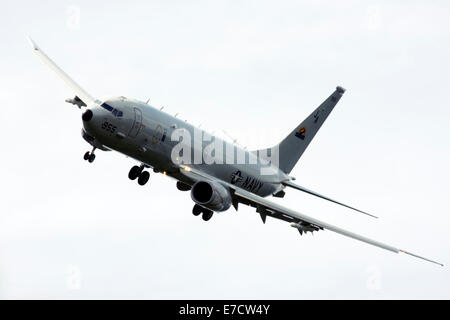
305,223
298,220
80,92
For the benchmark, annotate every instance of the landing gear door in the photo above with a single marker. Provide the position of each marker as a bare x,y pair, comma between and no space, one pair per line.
136,124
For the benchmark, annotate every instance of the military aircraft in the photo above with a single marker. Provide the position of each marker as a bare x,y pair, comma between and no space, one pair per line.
148,135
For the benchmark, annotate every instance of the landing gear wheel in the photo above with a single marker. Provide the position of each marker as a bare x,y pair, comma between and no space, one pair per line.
91,158
143,177
134,173
89,155
197,210
207,215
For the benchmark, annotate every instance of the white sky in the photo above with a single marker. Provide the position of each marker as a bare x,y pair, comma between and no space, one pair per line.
69,229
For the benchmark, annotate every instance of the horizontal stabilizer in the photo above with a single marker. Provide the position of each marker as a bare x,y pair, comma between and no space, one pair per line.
296,186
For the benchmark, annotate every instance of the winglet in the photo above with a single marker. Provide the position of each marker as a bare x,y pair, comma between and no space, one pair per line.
32,43
423,258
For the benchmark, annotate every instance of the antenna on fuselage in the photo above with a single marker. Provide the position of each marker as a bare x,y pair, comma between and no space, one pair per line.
234,140
148,100
161,108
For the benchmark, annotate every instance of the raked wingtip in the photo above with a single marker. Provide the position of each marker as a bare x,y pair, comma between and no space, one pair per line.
423,258
32,43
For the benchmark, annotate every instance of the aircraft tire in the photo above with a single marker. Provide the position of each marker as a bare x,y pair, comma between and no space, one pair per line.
143,177
207,215
91,158
134,173
197,210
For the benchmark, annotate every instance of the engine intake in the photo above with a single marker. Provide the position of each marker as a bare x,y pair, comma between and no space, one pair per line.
211,195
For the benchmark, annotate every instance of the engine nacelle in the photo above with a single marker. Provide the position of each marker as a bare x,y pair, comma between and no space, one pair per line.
211,195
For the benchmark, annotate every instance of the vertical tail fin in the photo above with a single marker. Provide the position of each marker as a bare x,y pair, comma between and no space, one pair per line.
292,147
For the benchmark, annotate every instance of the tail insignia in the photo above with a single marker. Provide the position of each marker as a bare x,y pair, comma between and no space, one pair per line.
301,133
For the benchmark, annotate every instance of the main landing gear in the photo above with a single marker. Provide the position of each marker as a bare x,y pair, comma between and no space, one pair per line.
89,155
206,213
140,174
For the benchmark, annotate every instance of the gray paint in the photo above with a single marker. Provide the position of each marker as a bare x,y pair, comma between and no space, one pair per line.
157,153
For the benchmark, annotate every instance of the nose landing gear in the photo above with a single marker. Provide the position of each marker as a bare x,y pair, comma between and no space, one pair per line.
206,213
139,173
89,155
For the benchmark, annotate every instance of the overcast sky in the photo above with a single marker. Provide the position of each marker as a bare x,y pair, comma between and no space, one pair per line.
70,229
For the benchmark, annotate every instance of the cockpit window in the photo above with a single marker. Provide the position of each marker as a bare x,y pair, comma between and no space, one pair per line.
107,107
115,112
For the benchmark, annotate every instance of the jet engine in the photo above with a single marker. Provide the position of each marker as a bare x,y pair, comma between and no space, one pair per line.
211,195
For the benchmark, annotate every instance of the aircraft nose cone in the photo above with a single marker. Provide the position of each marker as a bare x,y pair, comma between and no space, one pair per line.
87,115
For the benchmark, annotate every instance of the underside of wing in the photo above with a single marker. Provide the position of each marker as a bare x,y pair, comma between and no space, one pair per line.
306,223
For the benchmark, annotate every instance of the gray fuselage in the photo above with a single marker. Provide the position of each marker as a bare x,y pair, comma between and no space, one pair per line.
144,133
